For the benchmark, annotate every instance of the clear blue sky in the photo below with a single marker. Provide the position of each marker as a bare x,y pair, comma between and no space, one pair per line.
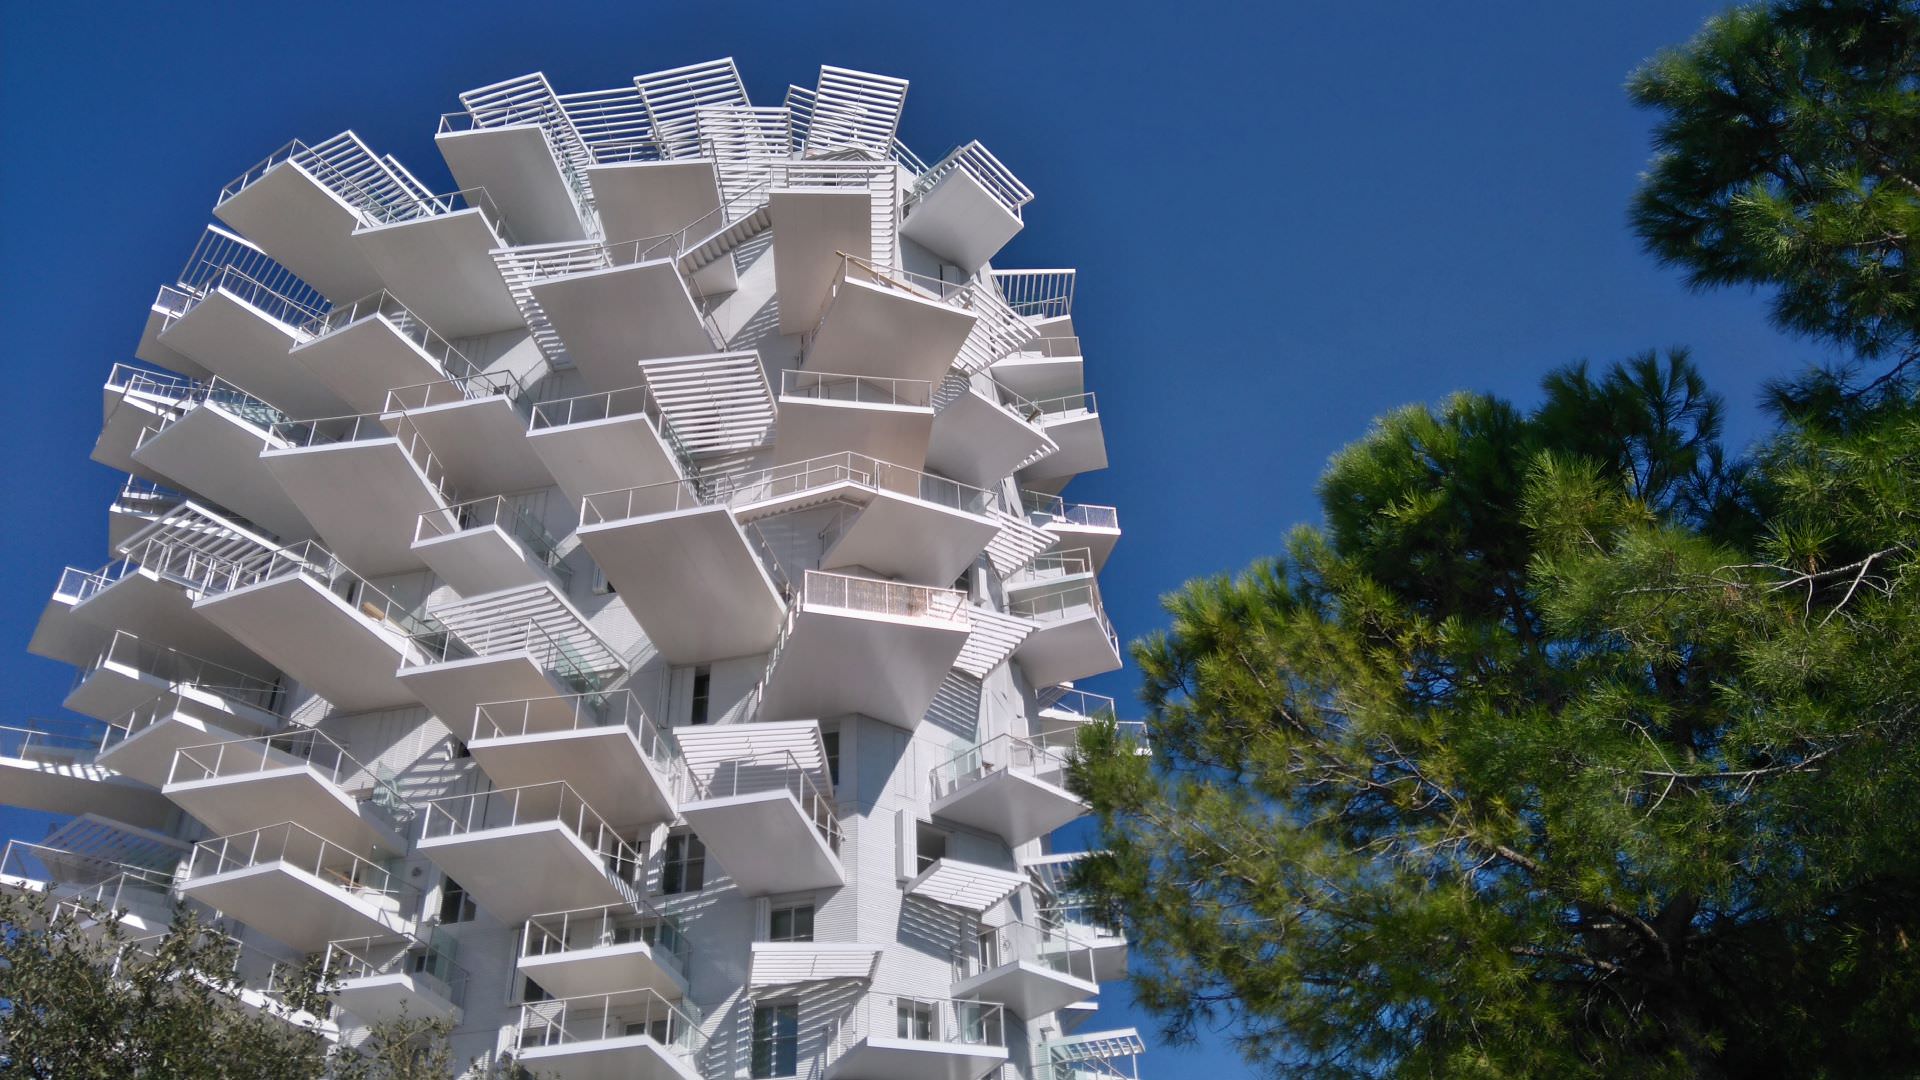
1288,218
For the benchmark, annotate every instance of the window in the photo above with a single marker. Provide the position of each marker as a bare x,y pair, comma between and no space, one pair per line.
601,586
930,845
533,991
776,1039
455,905
791,923
915,1019
702,693
831,739
683,866
457,748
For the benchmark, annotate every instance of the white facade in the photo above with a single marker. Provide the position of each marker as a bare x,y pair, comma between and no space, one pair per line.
624,605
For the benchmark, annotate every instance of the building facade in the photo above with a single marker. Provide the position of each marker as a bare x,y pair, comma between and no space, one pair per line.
624,605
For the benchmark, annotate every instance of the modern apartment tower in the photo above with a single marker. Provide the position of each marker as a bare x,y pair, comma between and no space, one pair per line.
624,605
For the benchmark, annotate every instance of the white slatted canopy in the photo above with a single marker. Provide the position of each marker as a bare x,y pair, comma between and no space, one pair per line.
706,748
965,885
993,639
717,403
785,963
855,110
673,97
540,604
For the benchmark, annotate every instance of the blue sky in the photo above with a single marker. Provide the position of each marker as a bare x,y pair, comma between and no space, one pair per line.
1288,218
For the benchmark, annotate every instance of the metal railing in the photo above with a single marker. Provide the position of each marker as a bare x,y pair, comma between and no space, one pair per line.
68,872
858,389
1054,508
305,851
372,427
165,385
385,305
628,401
976,161
1054,946
78,586
315,161
918,1019
370,957
289,307
1070,407
310,560
177,668
594,1017
1054,566
451,202
1037,294
461,388
754,776
1081,703
1001,753
510,516
1064,605
134,888
876,597
529,636
580,712
560,932
222,259
51,742
165,707
1092,924
224,396
307,748
554,801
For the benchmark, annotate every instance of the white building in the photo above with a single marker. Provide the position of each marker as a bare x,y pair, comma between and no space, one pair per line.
624,605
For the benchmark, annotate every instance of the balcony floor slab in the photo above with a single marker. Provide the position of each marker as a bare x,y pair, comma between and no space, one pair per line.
482,442
520,871
604,969
294,907
517,168
888,331
363,360
838,661
814,227
961,221
692,582
815,427
876,1058
603,455
248,348
216,455
364,498
442,269
605,765
337,651
911,539
632,1057
613,319
1013,804
306,228
765,843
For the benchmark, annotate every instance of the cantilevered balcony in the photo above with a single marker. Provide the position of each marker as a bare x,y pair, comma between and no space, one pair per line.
1051,571
822,209
889,1037
984,432
514,140
520,851
1042,369
1078,525
630,1035
210,445
1073,423
606,442
701,585
616,304
140,503
1064,710
141,743
240,324
1072,638
482,545
318,621
1030,968
93,895
1010,786
1044,298
363,349
477,426
243,784
640,195
855,644
298,887
435,254
603,743
363,481
1111,1054
134,399
381,979
1060,904
966,207
131,671
823,413
887,322
53,766
762,803
601,950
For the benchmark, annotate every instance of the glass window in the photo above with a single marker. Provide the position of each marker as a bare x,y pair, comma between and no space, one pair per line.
702,693
776,1040
916,1019
455,905
683,866
831,739
791,923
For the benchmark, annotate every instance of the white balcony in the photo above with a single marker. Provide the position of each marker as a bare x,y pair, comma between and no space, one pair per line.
382,979
887,1037
513,159
822,210
984,433
241,328
1043,368
1051,570
298,888
823,413
1012,787
1073,423
53,766
602,950
1111,1054
1072,638
211,446
131,672
1063,711
364,349
303,202
701,586
436,256
91,893
632,307
1077,525
854,644
761,802
886,322
631,1035
363,481
167,305
606,442
240,785
603,743
141,743
966,207
1031,969
134,399
652,198
318,621
141,502
477,426
150,593
484,545
1099,931
521,851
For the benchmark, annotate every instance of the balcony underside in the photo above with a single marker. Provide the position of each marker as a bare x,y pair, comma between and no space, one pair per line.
982,442
603,455
122,422
523,870
613,319
1109,958
73,787
876,330
338,652
442,269
451,690
631,1057
482,442
605,765
294,907
652,198
248,348
765,843
960,221
61,634
364,498
516,167
1026,988
910,539
1069,649
377,998
1083,448
692,582
835,661
814,427
110,691
363,360
1038,378
147,754
306,228
151,351
1097,539
1012,804
811,229
481,560
605,969
877,1058
216,455
161,613
227,805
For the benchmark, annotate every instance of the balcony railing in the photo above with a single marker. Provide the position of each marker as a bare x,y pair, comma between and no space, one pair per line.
1082,703
534,804
1002,753
303,850
367,187
178,668
872,596
529,636
1059,410
458,389
918,1019
290,303
582,712
1055,946
1065,605
133,887
307,747
510,516
610,1016
1055,566
1037,294
410,326
857,389
223,260
222,395
315,563
368,957
165,385
976,161
69,873
372,427
629,401
452,202
783,773
162,708
561,932
52,742
1054,508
